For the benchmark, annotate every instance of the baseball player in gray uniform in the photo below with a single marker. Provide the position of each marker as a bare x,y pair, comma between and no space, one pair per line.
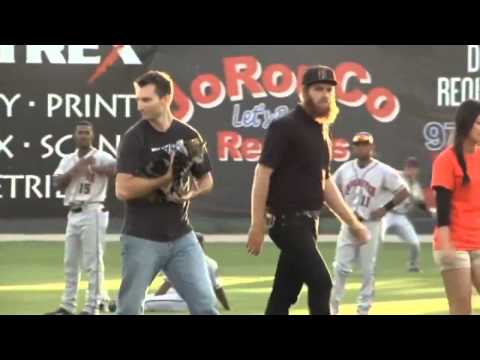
83,176
371,188
397,222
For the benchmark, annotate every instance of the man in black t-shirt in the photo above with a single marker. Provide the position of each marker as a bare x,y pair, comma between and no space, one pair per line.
291,183
156,232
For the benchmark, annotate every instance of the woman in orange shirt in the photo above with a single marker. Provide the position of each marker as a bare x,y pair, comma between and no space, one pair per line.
456,181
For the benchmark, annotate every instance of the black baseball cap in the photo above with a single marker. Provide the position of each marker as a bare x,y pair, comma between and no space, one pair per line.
319,74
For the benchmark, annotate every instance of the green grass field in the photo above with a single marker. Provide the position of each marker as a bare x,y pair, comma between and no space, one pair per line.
31,279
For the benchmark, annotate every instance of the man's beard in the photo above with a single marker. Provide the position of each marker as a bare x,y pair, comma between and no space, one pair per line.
314,110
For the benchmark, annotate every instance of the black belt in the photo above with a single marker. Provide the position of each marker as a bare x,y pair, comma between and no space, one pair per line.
274,217
77,208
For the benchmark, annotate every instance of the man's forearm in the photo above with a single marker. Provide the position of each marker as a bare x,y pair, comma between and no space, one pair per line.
130,187
204,186
203,191
261,184
61,182
398,198
337,205
107,170
401,196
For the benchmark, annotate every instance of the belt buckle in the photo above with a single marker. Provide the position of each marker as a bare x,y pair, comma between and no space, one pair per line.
312,214
269,220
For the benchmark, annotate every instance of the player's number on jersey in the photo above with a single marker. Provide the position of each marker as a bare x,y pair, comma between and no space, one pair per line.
85,188
365,201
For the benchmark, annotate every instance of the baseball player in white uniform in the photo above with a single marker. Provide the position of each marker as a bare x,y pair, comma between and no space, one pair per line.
371,188
397,222
83,176
168,299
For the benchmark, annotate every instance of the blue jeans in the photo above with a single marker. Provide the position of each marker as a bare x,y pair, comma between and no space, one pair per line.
183,262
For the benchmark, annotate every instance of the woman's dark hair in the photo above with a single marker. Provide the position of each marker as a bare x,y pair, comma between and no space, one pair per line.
464,121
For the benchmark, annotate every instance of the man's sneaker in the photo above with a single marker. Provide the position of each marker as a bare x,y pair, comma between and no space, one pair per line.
414,269
112,306
103,307
60,311
362,312
334,308
107,306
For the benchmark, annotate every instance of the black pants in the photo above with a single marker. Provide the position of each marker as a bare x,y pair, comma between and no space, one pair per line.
299,262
